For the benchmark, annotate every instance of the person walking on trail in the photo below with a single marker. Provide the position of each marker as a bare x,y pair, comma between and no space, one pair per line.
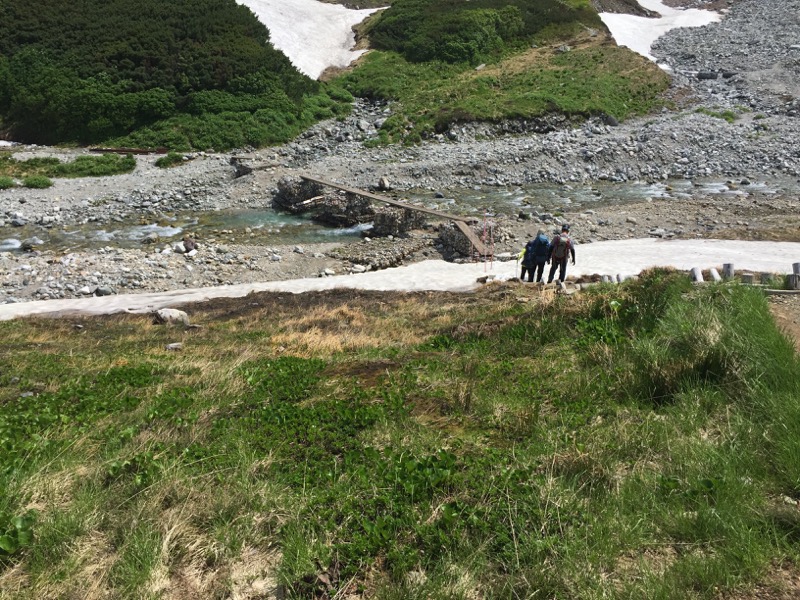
522,258
560,250
535,256
528,265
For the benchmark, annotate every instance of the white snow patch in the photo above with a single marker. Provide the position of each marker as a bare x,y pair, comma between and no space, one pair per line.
623,257
639,33
314,35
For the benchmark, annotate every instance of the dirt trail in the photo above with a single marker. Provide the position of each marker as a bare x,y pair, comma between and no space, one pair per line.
786,310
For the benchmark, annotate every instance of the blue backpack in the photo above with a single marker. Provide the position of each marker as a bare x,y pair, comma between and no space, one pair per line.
540,246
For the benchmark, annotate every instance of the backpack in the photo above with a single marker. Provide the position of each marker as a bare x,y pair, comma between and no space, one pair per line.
561,246
540,247
528,255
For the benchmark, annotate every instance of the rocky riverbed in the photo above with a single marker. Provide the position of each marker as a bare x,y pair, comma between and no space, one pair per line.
696,175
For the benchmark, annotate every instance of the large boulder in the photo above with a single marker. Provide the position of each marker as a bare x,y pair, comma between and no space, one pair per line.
344,210
396,221
170,316
293,192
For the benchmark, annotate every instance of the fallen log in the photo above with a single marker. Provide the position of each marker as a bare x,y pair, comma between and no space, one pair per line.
130,150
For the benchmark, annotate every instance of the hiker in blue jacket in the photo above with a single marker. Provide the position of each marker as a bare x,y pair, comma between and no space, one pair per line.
541,253
535,257
560,249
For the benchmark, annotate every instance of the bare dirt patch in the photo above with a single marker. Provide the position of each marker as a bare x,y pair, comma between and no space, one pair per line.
786,310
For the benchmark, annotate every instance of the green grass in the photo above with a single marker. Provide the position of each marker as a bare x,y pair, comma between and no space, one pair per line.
726,115
636,441
596,79
6,182
35,171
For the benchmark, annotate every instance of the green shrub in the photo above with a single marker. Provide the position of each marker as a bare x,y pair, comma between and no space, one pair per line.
171,159
37,182
116,66
267,126
455,32
95,166
6,183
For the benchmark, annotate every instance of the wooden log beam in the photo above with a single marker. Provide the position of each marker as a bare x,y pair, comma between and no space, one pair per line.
384,199
479,246
461,222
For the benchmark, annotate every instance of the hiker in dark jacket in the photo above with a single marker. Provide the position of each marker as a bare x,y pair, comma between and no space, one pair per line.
560,249
536,254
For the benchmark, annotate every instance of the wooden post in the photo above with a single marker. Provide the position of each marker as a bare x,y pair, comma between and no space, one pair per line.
728,271
715,275
697,275
765,278
796,268
794,281
748,278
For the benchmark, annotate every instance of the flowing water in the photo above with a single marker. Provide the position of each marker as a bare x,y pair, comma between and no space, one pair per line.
269,227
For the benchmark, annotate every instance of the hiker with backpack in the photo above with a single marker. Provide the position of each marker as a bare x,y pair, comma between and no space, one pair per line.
560,250
535,256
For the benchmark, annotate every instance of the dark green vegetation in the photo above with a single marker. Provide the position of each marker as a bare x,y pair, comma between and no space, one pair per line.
429,48
455,32
634,442
42,168
171,159
591,80
187,73
202,75
37,182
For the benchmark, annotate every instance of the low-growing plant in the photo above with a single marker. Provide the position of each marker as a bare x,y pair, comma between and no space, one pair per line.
40,168
95,166
640,436
15,534
726,115
7,182
37,182
171,159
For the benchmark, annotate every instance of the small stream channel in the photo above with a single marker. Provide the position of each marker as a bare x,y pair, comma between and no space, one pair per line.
269,227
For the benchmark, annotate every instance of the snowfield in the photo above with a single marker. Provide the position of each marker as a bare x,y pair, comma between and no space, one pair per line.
639,33
621,257
312,34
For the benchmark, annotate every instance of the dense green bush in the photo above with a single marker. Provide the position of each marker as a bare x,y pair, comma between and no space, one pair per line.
103,69
238,128
454,31
38,182
171,159
6,183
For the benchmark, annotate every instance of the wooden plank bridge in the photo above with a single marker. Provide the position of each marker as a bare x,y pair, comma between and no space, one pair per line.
461,222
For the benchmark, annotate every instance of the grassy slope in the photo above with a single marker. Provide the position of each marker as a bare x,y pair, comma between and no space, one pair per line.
633,442
595,77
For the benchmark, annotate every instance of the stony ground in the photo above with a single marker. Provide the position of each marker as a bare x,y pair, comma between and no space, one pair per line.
754,53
